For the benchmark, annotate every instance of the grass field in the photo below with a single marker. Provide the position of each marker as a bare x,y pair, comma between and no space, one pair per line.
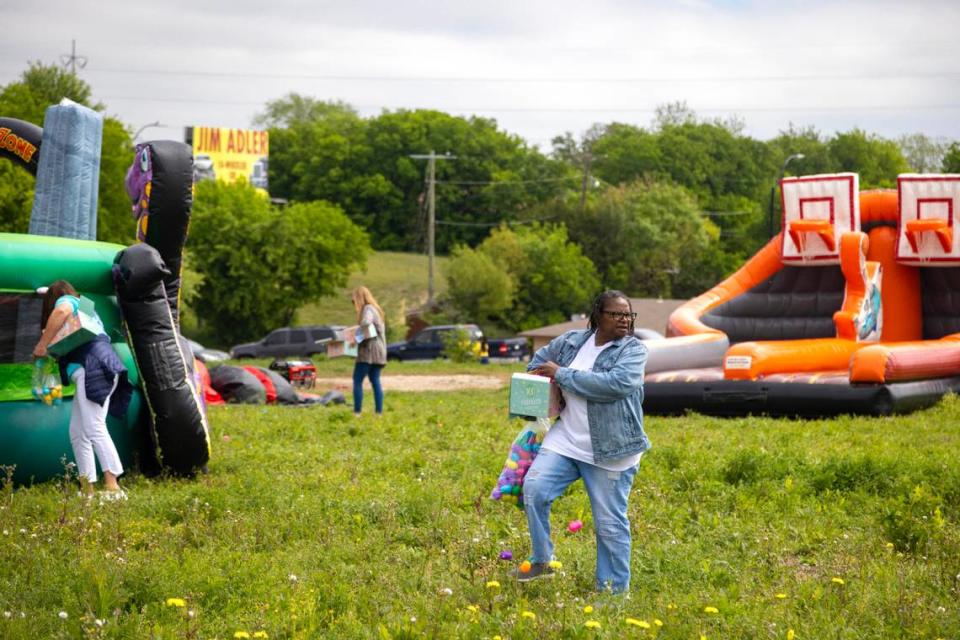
397,280
313,524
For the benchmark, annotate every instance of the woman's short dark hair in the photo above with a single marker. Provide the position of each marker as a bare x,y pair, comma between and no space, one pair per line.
601,301
54,291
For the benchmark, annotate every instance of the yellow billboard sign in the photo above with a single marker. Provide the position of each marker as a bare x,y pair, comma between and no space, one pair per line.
230,154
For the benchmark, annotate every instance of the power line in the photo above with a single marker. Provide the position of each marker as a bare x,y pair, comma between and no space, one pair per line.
454,223
712,79
605,109
505,182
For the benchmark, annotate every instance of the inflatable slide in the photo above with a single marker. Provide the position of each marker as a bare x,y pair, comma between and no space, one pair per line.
853,308
135,289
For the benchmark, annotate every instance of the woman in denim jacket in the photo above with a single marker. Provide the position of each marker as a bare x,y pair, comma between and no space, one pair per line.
599,436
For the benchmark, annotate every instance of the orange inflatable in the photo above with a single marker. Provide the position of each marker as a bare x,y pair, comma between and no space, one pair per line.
854,308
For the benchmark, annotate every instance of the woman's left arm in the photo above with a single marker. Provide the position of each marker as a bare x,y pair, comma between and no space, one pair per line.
623,379
57,317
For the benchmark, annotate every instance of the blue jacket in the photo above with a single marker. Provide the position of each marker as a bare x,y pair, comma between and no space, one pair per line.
100,363
613,390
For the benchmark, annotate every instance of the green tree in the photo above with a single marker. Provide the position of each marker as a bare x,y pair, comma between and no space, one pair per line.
364,166
641,236
554,279
951,159
878,161
297,109
477,288
259,263
27,99
922,153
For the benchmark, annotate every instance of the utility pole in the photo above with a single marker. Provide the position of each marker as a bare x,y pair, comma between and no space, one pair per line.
73,59
431,159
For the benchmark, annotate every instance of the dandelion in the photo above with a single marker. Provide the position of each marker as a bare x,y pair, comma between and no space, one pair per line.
176,602
493,584
643,624
496,638
555,564
63,615
889,545
790,634
711,610
472,608
588,609
658,622
781,596
260,634
592,624
837,581
671,607
529,614
241,634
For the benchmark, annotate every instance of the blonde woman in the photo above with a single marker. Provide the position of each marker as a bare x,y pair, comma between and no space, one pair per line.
371,352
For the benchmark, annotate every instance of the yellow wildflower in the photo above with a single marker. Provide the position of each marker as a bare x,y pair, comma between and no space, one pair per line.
472,608
176,602
790,634
711,610
529,614
555,564
837,580
592,624
496,638
241,634
658,622
588,609
671,606
889,545
260,634
643,624
780,596
493,584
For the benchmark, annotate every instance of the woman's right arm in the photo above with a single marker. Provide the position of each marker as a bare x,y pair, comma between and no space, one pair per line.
547,353
57,317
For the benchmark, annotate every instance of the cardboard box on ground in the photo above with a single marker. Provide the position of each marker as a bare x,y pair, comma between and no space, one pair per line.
79,329
534,396
341,345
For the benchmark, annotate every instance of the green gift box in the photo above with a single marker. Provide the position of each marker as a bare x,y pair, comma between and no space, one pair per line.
533,396
79,328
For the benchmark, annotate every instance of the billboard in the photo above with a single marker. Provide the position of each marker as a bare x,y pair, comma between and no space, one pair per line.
229,154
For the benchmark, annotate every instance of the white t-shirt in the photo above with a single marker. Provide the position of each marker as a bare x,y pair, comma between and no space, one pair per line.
570,435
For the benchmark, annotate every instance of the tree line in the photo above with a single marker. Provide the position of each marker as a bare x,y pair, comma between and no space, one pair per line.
662,210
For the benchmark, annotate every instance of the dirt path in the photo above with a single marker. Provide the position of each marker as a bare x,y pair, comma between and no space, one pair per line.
420,383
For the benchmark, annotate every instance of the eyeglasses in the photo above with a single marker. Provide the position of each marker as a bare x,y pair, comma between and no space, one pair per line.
620,315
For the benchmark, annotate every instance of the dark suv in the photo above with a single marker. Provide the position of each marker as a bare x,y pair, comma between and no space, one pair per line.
288,341
428,343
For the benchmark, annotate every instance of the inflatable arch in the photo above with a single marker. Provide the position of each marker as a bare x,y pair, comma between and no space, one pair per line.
853,308
136,291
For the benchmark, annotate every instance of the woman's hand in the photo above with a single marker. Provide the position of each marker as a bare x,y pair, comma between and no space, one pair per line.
548,369
39,351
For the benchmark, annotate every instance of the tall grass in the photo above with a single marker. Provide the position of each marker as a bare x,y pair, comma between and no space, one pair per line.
314,524
397,280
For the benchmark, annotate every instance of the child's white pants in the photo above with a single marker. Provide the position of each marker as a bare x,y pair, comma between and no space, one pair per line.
88,433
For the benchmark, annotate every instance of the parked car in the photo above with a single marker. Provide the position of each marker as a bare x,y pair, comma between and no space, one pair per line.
205,355
203,168
288,341
428,344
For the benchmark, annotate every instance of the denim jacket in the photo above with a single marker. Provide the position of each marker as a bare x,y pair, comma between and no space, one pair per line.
613,390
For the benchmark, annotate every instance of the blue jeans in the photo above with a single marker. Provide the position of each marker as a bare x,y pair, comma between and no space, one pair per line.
360,371
549,476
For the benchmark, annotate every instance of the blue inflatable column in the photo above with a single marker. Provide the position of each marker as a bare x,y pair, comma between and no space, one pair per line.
68,175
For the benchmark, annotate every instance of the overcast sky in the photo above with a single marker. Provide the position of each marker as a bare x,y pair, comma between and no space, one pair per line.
539,67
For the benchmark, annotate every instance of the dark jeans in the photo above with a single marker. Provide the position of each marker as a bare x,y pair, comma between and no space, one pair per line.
360,371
